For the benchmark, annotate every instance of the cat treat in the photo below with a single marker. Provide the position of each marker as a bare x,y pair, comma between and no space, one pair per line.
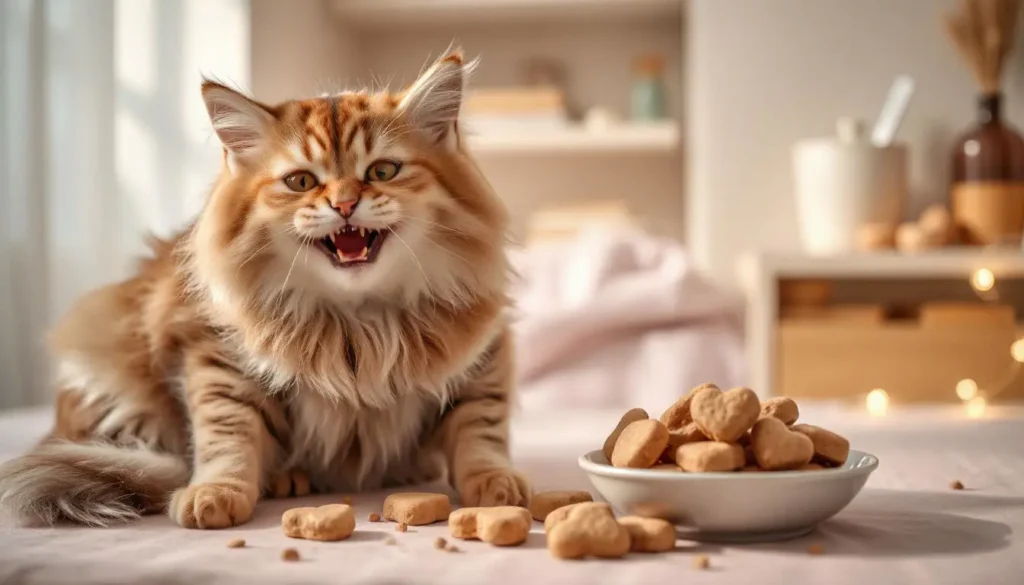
630,417
640,444
678,415
782,408
328,523
710,456
500,525
828,446
586,529
725,416
236,543
649,535
543,503
777,448
290,555
417,509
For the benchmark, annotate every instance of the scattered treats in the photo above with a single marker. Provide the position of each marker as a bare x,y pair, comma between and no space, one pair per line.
373,517
630,417
452,548
725,416
401,527
417,509
290,554
543,503
776,447
586,529
390,541
236,543
701,562
828,446
328,523
440,543
678,415
500,525
816,549
649,534
640,444
782,408
956,485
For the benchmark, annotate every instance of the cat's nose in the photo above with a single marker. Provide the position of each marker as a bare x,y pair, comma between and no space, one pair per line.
346,208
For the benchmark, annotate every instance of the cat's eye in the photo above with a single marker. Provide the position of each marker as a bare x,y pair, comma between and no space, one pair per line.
301,181
382,170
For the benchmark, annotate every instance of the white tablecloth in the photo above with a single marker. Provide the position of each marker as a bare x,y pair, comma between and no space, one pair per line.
906,527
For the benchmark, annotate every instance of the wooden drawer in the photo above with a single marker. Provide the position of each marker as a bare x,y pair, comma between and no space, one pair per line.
912,363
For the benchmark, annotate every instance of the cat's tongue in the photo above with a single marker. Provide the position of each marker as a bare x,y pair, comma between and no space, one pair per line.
352,242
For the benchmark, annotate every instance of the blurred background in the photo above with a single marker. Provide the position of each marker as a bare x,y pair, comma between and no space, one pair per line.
701,190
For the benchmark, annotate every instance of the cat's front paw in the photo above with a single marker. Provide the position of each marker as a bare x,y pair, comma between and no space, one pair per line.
495,487
210,505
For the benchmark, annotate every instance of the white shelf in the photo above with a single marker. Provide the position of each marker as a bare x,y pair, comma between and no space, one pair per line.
362,13
648,138
950,262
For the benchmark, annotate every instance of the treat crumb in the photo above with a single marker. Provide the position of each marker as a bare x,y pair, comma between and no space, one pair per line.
701,562
374,517
816,549
402,527
956,485
347,500
452,548
390,541
289,554
236,543
440,543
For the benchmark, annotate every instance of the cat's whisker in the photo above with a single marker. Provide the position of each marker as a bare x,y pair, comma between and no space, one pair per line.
289,275
415,259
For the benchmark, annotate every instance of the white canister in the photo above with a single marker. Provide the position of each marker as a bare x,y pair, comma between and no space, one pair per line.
844,182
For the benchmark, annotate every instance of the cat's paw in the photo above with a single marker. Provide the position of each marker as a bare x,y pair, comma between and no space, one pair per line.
293,483
210,505
500,486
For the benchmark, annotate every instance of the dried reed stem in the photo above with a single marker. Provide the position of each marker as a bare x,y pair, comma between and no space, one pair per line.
983,32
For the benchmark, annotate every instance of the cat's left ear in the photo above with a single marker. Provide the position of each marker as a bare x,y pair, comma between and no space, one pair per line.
433,101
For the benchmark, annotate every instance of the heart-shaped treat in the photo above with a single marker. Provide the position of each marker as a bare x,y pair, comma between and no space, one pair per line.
782,408
678,415
776,447
827,445
725,416
631,416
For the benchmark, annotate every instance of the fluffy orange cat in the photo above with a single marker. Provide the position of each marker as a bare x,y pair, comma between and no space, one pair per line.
336,314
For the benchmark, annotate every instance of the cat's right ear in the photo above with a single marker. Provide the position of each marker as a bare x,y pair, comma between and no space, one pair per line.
241,123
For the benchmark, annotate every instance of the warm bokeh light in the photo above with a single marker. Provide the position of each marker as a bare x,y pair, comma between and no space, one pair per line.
877,402
966,389
976,407
1017,350
983,280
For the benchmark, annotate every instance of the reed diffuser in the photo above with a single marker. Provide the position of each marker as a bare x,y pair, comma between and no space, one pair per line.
987,194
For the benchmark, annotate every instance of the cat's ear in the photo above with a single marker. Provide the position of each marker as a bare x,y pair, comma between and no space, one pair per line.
241,123
433,101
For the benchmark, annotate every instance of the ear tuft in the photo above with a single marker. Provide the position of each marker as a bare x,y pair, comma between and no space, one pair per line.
240,122
433,101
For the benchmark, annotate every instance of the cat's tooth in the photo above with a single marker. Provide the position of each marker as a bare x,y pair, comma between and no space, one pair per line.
362,232
366,251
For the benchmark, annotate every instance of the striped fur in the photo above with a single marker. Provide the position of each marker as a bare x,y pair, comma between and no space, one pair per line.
239,354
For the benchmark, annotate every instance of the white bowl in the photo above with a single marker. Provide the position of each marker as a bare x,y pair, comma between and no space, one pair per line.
732,507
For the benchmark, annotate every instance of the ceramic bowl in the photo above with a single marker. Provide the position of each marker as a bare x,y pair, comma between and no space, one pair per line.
732,507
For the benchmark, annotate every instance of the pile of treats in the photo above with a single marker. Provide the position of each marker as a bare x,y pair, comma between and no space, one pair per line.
711,430
706,430
576,526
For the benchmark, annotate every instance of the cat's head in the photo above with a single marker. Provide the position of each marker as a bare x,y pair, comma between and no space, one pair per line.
350,197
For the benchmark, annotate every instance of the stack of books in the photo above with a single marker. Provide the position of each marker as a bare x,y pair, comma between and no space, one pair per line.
508,110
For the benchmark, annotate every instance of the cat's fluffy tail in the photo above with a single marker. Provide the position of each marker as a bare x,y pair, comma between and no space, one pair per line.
89,483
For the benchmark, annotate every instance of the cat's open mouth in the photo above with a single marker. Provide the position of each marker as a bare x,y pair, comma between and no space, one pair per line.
351,245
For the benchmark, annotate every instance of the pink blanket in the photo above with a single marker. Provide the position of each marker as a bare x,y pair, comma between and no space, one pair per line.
617,319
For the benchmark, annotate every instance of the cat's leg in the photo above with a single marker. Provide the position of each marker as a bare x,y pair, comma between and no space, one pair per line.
291,483
474,432
231,444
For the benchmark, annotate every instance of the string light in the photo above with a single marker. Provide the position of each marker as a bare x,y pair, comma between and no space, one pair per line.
976,407
983,280
1017,350
877,402
966,389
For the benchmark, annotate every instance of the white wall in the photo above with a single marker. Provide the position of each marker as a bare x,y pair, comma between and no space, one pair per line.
763,74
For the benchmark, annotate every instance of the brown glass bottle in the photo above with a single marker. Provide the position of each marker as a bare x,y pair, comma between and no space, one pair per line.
987,195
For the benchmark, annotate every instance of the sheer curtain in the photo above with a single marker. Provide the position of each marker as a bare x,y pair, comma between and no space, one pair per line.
104,138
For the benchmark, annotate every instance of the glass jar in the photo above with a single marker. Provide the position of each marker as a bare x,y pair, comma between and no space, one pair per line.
647,99
987,194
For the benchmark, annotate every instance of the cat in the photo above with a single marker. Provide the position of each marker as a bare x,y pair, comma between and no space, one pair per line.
337,314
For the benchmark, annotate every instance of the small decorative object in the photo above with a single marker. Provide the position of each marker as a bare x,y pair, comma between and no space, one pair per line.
987,193
845,182
933,229
647,101
598,119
